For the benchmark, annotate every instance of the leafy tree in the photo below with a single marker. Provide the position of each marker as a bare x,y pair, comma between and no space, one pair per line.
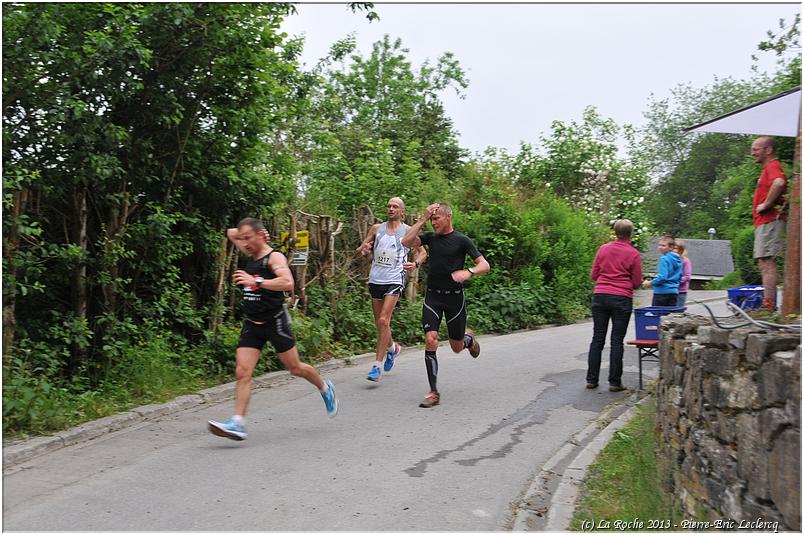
540,246
582,163
666,143
133,134
786,44
691,199
385,127
698,177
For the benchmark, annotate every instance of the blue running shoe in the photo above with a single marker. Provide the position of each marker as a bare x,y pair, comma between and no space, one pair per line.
227,429
390,356
374,374
329,399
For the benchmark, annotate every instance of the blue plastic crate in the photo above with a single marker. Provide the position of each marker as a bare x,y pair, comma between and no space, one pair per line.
747,297
647,320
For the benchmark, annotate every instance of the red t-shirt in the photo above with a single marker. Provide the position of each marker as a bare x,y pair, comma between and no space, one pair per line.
770,172
617,269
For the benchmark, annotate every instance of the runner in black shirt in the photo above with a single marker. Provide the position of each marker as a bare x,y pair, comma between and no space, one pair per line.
444,297
264,282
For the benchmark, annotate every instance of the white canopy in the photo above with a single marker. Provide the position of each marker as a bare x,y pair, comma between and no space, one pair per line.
778,115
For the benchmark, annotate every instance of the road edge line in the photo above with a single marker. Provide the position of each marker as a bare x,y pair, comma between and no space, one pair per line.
561,506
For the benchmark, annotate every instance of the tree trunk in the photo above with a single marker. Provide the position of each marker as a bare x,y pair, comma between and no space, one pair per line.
115,228
412,287
10,247
364,220
217,308
332,247
9,323
233,294
302,287
80,238
79,353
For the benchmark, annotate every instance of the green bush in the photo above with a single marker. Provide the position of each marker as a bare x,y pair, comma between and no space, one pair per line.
345,308
406,323
36,404
313,337
558,245
31,402
216,354
341,313
147,368
743,251
500,307
153,368
729,281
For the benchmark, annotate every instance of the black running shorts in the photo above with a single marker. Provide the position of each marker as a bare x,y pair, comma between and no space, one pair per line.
448,303
275,330
380,291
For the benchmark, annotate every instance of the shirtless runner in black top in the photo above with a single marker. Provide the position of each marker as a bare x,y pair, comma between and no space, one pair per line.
448,249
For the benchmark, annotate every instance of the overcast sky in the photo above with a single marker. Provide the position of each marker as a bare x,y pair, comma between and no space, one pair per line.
531,64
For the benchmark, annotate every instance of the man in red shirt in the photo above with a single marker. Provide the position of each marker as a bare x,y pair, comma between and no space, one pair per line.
769,222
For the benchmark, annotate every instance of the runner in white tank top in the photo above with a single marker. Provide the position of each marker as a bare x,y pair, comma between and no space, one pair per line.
387,279
390,256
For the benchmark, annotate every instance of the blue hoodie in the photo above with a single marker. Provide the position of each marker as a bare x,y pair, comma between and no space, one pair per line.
669,276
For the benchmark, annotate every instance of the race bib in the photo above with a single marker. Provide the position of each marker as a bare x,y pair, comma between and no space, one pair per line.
385,257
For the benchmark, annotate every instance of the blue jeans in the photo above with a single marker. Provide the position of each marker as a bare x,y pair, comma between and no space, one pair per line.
664,300
605,308
682,299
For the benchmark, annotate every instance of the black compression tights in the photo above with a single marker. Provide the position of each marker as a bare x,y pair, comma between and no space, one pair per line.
431,363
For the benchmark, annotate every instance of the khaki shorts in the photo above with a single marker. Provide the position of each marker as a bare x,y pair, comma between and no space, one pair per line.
769,239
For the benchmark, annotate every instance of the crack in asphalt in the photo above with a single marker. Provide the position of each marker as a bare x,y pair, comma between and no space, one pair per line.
564,391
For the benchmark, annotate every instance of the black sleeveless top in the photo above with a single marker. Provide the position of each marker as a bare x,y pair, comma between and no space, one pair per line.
261,304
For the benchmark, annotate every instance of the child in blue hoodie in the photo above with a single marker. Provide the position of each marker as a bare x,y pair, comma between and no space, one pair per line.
665,284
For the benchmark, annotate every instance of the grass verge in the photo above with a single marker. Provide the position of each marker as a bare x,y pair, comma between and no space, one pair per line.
622,490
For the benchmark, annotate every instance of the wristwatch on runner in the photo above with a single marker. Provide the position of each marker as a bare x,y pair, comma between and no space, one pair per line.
258,281
470,271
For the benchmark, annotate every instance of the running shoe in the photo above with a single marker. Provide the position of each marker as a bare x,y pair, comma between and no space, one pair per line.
227,429
431,400
390,356
474,349
374,374
329,399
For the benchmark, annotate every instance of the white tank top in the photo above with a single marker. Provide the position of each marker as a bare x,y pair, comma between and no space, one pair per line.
389,256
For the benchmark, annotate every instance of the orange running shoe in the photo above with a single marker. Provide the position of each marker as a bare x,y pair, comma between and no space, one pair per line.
431,400
474,349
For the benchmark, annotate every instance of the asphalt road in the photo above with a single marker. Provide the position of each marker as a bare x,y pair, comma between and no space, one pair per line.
382,464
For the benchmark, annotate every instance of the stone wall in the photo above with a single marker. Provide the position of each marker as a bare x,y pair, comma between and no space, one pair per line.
729,419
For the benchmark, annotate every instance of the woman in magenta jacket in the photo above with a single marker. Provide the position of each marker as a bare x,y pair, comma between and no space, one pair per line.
617,272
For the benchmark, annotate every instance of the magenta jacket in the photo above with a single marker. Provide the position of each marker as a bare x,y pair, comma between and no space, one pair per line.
686,274
617,269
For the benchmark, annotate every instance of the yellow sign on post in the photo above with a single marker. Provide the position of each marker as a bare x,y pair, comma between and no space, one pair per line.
303,239
300,248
